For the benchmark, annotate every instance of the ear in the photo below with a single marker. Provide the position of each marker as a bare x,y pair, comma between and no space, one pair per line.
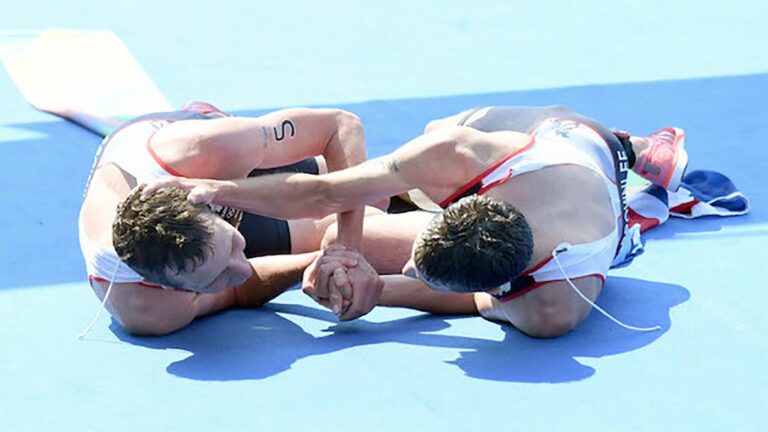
409,269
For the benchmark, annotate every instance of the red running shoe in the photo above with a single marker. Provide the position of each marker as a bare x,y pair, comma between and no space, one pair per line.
664,161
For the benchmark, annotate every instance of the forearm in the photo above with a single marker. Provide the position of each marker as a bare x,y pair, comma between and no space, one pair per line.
272,275
345,149
402,291
282,196
336,135
296,196
350,228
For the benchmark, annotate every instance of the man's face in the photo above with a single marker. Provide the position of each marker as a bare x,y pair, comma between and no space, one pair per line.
225,265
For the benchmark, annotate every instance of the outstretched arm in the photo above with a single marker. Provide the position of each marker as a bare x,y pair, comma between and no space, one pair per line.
437,163
403,291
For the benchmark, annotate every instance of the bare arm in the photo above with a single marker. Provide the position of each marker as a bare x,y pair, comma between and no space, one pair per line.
550,310
154,311
231,147
272,275
437,163
411,293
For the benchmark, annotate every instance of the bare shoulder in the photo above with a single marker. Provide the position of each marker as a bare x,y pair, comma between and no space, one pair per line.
108,187
209,148
445,159
468,144
231,147
551,309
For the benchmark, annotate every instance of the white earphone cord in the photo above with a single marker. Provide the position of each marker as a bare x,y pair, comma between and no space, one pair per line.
103,302
599,309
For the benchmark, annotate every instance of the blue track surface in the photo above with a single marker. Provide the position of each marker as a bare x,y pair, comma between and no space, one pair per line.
290,366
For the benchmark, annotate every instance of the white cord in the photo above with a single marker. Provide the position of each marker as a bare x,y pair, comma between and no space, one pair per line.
103,302
562,247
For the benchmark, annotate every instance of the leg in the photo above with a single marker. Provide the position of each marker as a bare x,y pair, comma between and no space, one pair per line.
660,157
388,239
307,234
456,119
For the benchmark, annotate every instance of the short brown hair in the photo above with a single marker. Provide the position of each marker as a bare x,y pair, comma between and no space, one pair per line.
477,244
160,233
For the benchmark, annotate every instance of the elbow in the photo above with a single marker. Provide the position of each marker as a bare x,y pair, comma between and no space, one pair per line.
349,122
350,134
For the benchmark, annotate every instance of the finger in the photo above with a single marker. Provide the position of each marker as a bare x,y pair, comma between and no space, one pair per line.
335,247
326,303
356,308
310,291
335,298
324,274
200,195
343,260
308,280
345,304
366,295
340,252
153,187
341,282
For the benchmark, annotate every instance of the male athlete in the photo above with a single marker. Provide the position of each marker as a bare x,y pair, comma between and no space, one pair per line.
252,258
534,211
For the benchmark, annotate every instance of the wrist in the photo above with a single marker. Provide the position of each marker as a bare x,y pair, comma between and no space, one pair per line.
388,293
221,191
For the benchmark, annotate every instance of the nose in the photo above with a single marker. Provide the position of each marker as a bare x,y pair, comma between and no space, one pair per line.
242,267
409,269
239,242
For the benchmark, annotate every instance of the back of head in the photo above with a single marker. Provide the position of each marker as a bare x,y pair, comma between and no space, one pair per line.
477,244
161,234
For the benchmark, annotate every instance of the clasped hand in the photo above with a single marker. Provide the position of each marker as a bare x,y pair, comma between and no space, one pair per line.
343,281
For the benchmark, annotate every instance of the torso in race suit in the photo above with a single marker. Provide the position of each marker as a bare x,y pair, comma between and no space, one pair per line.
129,147
557,138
